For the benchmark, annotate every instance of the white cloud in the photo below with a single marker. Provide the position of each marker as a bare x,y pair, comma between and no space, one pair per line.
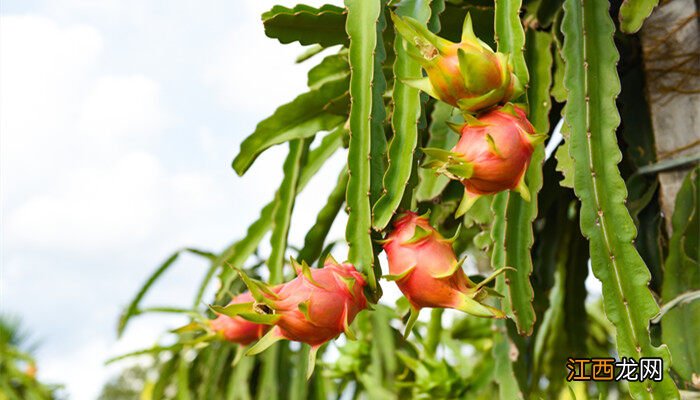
122,105
253,72
94,209
42,72
247,73
102,175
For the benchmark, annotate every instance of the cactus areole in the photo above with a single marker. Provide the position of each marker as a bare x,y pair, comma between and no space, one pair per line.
468,74
427,272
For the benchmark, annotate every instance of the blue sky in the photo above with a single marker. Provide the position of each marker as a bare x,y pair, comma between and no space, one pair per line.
118,123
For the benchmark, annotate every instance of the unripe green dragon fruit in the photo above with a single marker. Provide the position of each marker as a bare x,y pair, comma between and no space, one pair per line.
468,75
491,155
426,270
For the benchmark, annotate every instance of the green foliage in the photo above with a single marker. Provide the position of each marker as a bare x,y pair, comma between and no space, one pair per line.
634,12
361,27
313,242
404,121
125,386
306,25
303,117
682,276
284,204
441,137
513,215
593,85
564,55
17,366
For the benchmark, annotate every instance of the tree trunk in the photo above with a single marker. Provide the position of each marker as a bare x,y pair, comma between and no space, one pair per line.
671,47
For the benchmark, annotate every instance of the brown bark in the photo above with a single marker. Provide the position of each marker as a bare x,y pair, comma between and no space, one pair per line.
671,47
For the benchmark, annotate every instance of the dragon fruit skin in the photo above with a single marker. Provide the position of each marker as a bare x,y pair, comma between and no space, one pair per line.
468,75
317,306
237,329
500,162
313,308
427,272
492,154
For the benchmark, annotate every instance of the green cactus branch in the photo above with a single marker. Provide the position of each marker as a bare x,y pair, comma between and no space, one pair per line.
503,374
379,84
362,16
592,83
430,184
306,25
682,276
313,242
513,215
237,253
634,12
404,121
301,118
284,204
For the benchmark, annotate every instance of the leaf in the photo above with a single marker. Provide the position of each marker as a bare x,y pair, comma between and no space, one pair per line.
565,165
318,155
592,84
238,387
362,16
165,376
634,12
437,7
303,117
284,204
133,308
331,68
546,12
431,185
538,55
299,389
183,379
404,120
313,242
306,25
564,327
309,52
510,35
681,324
237,253
378,140
503,373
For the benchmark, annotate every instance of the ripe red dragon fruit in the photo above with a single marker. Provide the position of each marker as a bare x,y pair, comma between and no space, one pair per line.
236,329
468,74
313,308
491,155
427,272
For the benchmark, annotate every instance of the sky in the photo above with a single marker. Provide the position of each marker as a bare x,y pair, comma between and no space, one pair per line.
118,123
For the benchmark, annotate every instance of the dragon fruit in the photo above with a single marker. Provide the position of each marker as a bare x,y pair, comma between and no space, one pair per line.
313,308
491,155
468,74
236,329
427,272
